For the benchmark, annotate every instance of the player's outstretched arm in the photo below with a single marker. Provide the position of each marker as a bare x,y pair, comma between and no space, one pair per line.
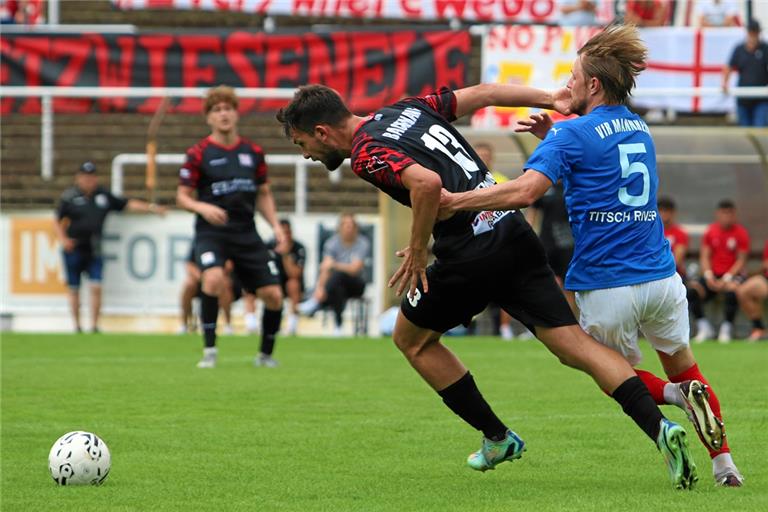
473,98
513,194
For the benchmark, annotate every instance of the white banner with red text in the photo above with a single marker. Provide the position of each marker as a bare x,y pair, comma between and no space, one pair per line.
542,56
494,11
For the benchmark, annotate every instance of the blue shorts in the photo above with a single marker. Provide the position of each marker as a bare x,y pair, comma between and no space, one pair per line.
79,261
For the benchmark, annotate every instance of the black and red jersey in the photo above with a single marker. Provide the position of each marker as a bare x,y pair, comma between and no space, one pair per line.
419,131
228,177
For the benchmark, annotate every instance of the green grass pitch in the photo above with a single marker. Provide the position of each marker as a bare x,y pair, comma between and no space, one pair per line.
347,425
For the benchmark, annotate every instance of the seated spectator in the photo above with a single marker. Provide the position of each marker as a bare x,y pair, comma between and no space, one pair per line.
724,251
752,295
576,13
677,237
647,13
718,13
290,265
341,271
750,60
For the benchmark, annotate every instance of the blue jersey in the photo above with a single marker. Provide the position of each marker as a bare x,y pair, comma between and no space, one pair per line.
607,162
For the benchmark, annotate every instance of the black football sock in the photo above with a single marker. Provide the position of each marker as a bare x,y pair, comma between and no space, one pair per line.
270,324
758,324
464,399
694,299
731,307
638,404
209,312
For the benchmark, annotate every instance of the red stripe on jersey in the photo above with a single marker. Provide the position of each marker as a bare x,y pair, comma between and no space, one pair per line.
189,174
380,165
443,102
261,163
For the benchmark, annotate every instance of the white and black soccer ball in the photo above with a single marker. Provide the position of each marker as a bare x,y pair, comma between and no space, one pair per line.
79,458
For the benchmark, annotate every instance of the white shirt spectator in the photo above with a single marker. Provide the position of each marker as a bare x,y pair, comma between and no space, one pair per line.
718,13
574,13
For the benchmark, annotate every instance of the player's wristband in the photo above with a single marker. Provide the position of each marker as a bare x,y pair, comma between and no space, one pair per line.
708,274
727,277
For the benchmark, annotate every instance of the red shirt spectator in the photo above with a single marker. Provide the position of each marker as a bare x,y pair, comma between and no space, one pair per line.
678,242
725,245
647,13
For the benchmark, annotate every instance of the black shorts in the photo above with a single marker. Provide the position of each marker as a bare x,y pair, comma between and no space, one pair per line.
253,262
515,276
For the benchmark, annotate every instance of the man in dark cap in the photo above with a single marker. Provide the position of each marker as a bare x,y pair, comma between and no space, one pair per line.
80,217
750,61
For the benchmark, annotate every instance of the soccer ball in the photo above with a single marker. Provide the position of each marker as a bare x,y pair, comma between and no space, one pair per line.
79,458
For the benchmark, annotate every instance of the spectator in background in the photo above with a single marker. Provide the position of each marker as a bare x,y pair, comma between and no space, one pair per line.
647,13
80,217
485,151
675,235
718,13
724,251
750,61
549,217
752,295
290,265
575,13
341,271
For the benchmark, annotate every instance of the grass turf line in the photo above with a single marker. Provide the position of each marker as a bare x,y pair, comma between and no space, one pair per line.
347,425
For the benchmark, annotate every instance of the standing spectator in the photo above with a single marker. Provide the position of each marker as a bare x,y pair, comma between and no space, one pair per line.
80,217
341,271
752,295
290,265
228,174
724,251
577,13
718,13
675,235
750,61
550,214
647,13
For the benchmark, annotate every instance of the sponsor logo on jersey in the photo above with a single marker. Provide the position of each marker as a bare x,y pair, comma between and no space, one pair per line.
221,188
246,159
403,122
375,164
217,161
101,201
554,130
487,220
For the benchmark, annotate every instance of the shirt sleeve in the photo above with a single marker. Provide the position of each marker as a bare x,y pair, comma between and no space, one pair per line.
329,247
554,155
443,102
382,165
260,162
743,242
189,174
116,203
62,209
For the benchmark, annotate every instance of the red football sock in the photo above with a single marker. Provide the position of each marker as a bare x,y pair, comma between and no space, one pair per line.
654,384
693,373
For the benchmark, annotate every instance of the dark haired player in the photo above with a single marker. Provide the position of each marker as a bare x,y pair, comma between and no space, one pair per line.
410,150
229,175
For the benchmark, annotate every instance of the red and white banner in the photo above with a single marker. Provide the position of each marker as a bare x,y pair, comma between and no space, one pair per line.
542,56
497,11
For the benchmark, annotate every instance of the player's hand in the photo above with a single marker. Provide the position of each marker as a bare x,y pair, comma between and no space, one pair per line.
446,210
412,270
537,124
561,101
68,245
213,214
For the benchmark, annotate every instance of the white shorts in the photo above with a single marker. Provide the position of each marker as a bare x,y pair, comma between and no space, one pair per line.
659,309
